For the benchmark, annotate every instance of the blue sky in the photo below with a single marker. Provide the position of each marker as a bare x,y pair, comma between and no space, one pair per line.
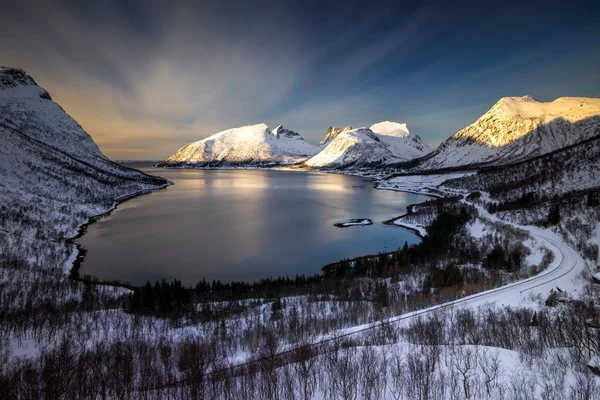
144,78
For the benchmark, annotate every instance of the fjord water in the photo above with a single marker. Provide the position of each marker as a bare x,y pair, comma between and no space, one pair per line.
241,225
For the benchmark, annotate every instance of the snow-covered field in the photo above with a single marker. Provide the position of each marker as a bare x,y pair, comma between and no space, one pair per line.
424,184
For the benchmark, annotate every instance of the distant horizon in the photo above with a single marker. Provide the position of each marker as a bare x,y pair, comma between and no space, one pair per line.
353,127
144,79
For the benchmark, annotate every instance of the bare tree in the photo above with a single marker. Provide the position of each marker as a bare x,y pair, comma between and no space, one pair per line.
372,373
193,360
464,360
269,350
491,368
584,388
306,372
59,371
421,373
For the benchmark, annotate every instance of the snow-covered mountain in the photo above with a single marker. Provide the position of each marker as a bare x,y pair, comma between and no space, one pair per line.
550,176
247,145
384,143
54,177
354,148
331,133
519,128
400,141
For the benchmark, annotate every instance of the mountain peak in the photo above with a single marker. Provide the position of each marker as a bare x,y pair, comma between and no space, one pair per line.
527,107
14,78
332,132
351,148
518,128
389,128
253,144
399,140
529,98
525,98
280,131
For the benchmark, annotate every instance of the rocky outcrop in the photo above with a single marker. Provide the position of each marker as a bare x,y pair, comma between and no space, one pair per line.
280,131
331,133
15,77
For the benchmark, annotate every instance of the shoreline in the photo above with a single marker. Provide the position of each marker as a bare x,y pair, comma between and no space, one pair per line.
279,167
409,211
80,252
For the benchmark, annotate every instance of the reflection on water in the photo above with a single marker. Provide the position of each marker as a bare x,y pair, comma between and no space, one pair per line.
242,225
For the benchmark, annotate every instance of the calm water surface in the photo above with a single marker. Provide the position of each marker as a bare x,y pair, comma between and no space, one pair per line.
242,225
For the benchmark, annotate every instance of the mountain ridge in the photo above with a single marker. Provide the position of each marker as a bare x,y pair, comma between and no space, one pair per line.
384,143
246,145
403,144
52,172
518,128
352,148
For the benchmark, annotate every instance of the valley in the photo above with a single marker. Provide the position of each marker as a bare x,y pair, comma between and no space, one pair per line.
501,279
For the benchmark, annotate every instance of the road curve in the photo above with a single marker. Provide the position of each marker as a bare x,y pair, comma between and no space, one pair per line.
562,273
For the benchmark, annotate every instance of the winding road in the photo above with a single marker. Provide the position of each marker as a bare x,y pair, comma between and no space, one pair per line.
562,273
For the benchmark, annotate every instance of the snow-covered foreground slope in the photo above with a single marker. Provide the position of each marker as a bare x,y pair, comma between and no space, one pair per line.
400,141
54,177
519,128
574,168
251,145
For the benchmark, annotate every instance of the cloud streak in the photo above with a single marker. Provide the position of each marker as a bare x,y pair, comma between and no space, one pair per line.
145,78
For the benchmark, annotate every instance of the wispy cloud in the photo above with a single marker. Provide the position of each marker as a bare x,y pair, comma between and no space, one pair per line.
145,78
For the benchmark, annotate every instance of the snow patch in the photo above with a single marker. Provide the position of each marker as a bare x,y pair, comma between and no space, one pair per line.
477,229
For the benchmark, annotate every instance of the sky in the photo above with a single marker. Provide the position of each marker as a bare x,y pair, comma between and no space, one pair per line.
146,77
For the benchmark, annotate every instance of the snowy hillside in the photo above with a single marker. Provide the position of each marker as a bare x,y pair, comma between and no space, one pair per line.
54,177
254,144
571,169
399,140
518,128
353,148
